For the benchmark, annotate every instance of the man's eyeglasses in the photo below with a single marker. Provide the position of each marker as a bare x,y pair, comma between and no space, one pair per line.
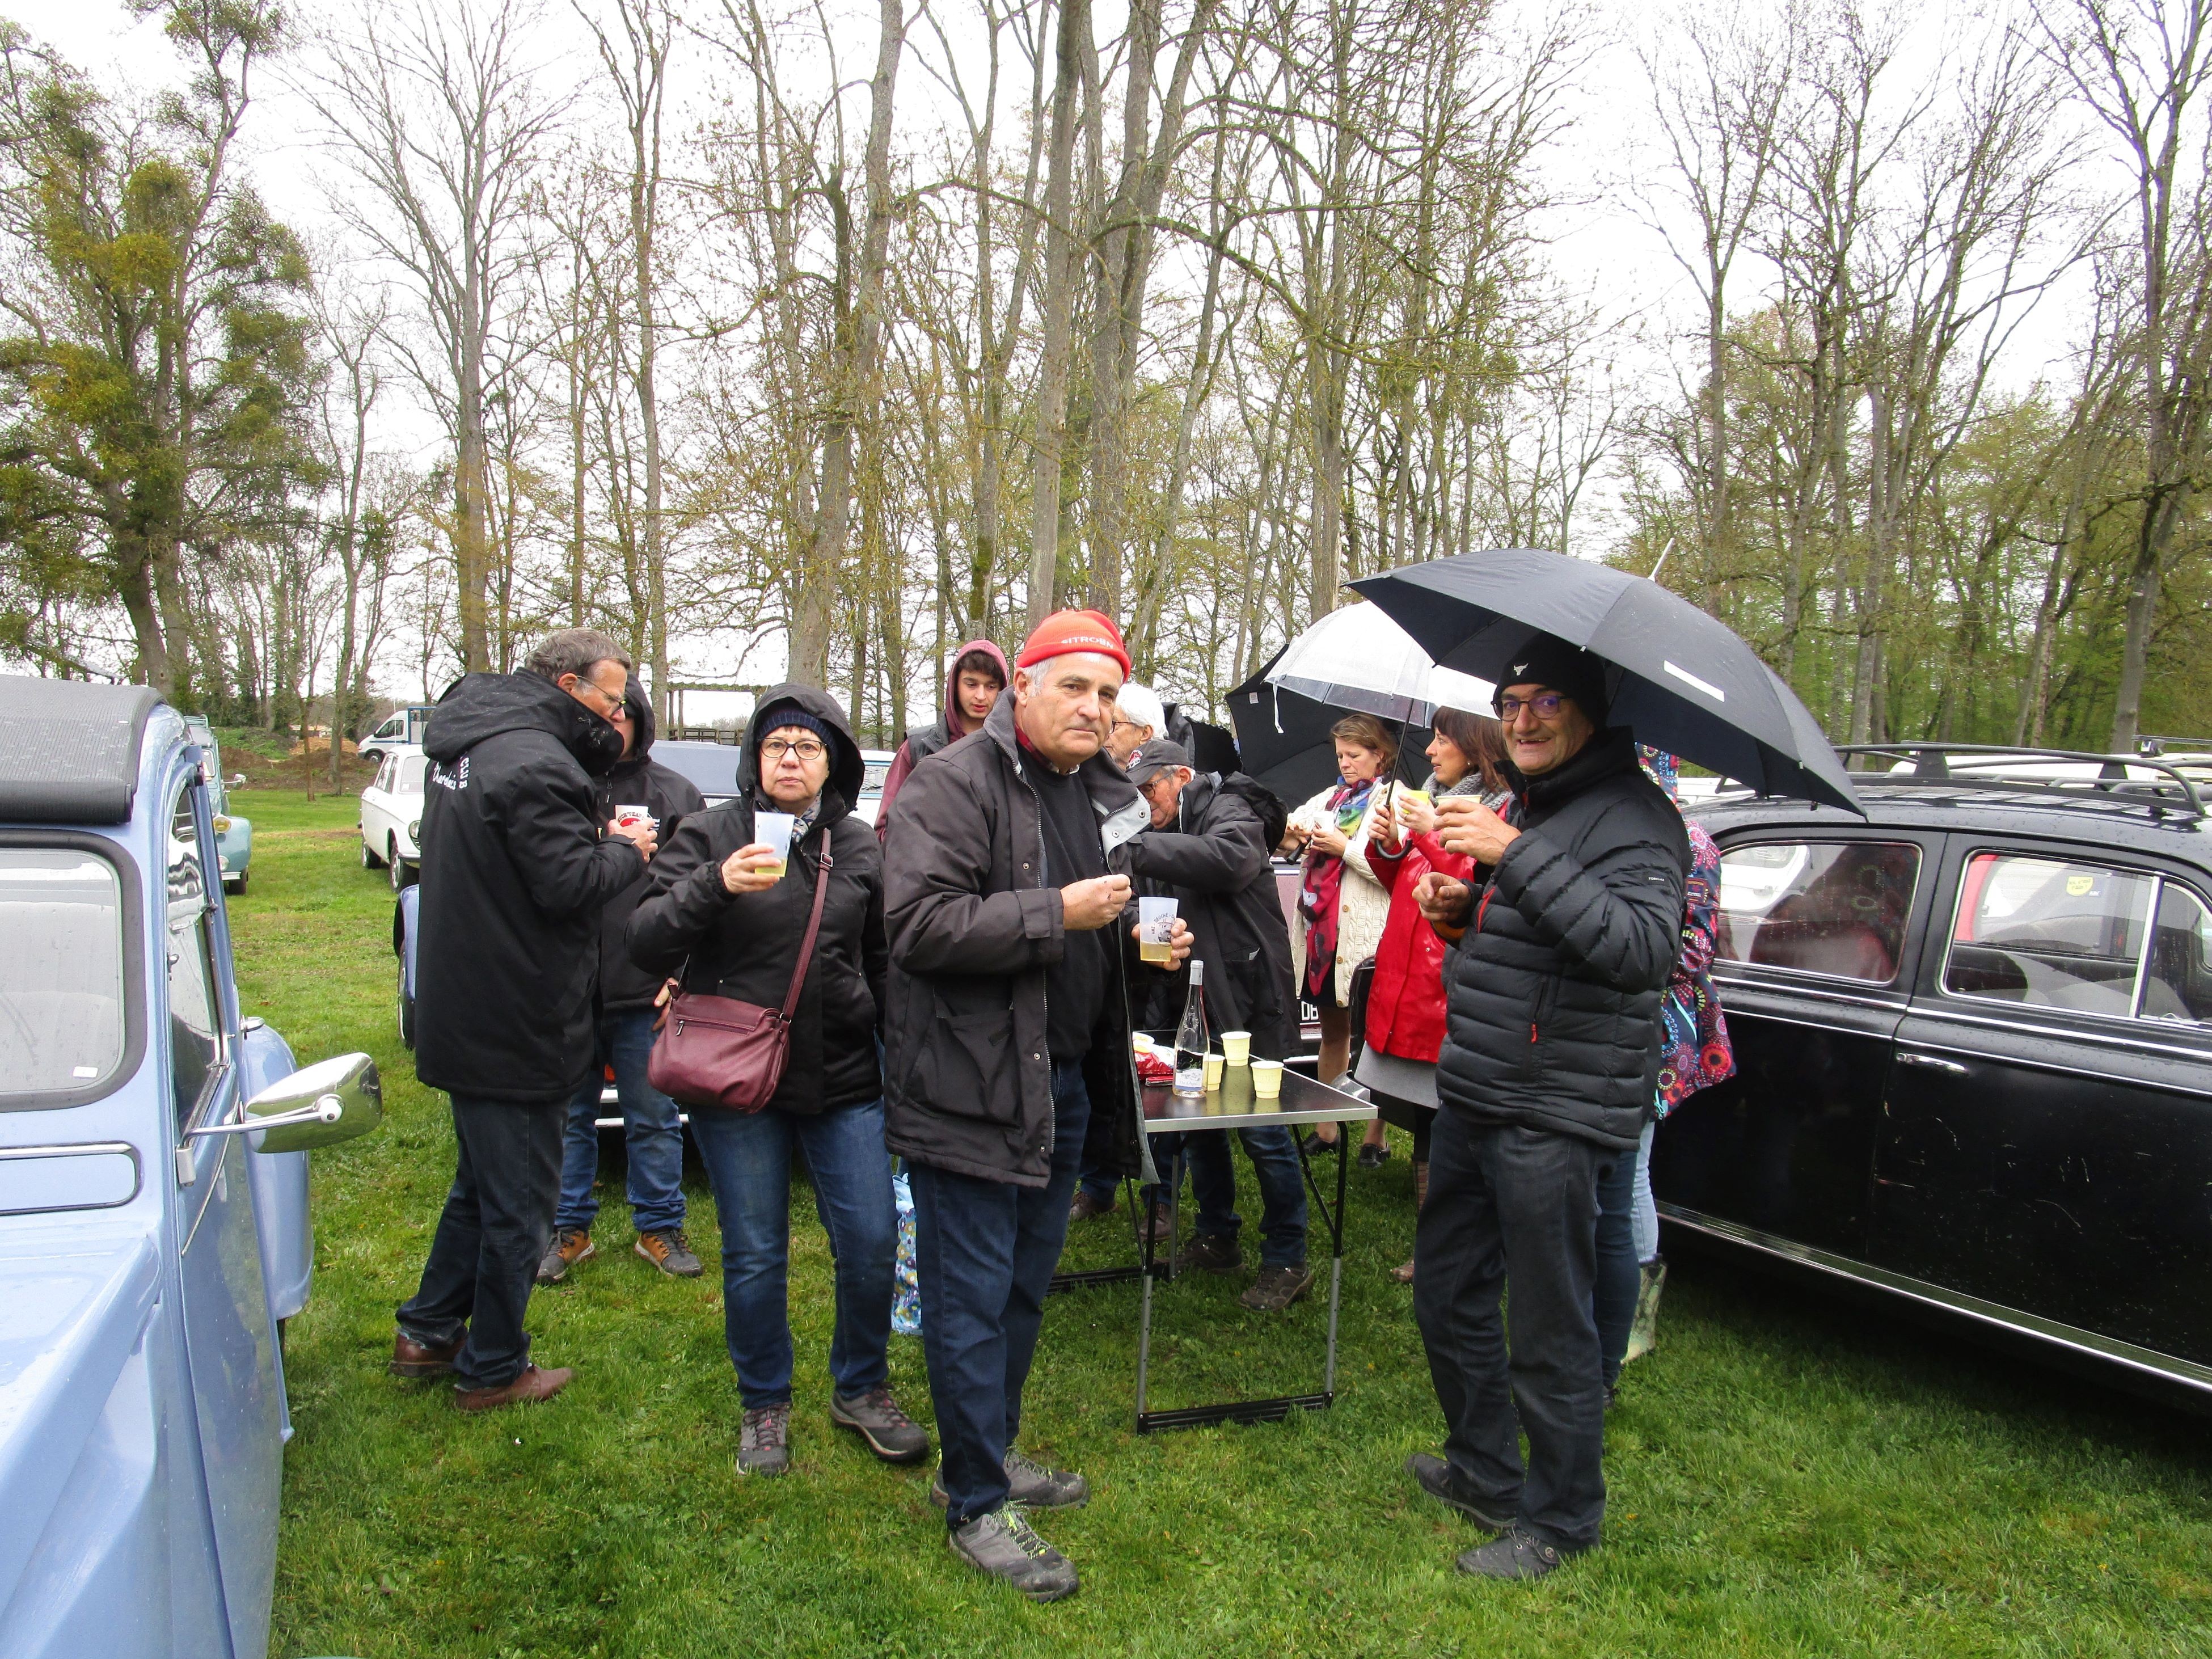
611,699
806,749
1547,704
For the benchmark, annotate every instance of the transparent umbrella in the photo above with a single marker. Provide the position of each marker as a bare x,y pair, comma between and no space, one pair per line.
1359,658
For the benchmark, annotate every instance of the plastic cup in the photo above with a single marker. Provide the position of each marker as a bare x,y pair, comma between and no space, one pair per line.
772,830
626,816
1212,1073
1267,1079
1237,1047
1156,921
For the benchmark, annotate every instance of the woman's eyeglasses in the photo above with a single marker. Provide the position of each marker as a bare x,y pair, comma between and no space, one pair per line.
1547,704
806,749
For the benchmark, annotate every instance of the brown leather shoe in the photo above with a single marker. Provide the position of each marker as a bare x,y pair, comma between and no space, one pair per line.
413,1359
1086,1208
535,1383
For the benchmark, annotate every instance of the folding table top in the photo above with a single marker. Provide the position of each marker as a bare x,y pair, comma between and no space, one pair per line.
1233,1106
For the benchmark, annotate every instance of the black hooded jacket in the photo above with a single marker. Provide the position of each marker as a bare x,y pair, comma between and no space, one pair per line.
1553,994
514,873
1215,865
637,781
745,944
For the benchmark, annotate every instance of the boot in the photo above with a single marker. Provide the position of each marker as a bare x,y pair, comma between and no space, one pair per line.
1643,1334
1404,1275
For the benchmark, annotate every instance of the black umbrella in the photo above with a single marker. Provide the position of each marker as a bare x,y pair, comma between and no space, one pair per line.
1687,684
1283,740
1211,748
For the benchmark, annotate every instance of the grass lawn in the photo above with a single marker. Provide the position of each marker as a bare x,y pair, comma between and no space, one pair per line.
1789,1474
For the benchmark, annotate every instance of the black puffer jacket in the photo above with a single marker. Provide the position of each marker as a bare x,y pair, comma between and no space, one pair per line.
976,926
637,781
1552,996
514,873
1215,865
745,945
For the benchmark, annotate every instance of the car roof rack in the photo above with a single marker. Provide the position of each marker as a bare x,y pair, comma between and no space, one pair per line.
2170,791
2152,747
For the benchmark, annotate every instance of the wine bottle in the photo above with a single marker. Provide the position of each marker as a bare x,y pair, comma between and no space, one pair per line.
1190,1037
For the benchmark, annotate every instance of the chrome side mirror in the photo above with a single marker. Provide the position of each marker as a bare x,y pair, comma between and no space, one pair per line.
318,1105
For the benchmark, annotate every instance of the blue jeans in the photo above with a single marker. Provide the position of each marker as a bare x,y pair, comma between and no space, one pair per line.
748,1159
1102,1187
650,1128
1282,1190
985,1251
1619,1277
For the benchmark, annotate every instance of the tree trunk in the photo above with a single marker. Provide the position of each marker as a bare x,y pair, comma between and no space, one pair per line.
1059,321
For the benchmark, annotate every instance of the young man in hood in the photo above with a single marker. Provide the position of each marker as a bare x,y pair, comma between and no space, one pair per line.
518,862
972,686
651,1128
1007,1041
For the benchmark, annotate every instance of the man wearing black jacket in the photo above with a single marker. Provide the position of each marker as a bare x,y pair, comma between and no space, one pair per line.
1550,1057
652,1130
1207,849
517,863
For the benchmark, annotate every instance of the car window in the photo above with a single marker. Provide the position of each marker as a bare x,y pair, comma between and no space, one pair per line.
2049,932
407,774
61,998
2177,982
195,1010
1833,907
873,775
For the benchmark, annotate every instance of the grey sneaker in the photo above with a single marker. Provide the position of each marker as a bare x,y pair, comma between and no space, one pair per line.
764,1443
1276,1288
670,1251
1442,1482
570,1245
1031,1485
1214,1252
1004,1544
1512,1554
876,1417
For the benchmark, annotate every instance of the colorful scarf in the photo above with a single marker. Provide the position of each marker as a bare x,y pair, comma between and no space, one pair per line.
1323,885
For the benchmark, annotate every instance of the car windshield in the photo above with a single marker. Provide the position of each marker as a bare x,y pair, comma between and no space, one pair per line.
872,780
60,1000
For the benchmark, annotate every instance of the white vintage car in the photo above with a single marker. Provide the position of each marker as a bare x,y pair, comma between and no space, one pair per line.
392,817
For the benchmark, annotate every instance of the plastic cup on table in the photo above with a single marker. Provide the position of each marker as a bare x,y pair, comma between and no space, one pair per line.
1237,1047
1267,1079
1156,921
772,830
1213,1074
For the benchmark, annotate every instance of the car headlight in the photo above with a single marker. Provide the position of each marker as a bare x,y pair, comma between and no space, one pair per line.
414,832
221,825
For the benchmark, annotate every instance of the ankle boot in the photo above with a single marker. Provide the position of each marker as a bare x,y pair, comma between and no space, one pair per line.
1644,1333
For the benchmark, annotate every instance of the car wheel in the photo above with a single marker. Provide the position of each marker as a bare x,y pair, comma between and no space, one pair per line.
368,859
406,1009
403,876
238,886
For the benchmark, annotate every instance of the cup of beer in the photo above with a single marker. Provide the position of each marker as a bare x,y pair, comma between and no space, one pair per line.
1156,921
1213,1074
772,830
1237,1047
1267,1079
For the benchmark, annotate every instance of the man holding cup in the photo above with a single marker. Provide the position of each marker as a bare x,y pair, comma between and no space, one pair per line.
1007,1037
1207,847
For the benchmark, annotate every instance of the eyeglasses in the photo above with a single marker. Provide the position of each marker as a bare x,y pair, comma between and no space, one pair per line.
806,749
1547,705
612,699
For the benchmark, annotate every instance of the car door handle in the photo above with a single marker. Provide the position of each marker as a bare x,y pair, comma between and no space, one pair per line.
1929,1062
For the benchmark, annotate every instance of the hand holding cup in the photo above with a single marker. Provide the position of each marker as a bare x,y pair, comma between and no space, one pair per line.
753,868
1466,826
639,833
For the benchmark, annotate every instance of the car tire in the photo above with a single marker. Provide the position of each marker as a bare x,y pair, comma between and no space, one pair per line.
238,886
403,874
368,859
406,1008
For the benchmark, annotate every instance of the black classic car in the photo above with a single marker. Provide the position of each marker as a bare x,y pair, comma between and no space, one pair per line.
1973,1035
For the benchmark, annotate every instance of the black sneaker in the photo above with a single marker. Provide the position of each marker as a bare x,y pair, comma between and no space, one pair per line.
876,1417
1442,1482
1374,1156
1513,1553
1316,1145
1215,1252
1004,1544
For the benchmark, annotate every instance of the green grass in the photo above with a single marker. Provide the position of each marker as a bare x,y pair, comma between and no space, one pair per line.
1789,1474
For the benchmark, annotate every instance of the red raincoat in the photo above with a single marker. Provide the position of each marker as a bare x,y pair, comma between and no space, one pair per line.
1405,1003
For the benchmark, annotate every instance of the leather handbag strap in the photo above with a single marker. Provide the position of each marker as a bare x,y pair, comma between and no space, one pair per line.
813,927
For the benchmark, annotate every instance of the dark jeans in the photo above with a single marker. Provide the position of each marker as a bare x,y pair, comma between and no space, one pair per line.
1282,1189
651,1129
1102,1186
497,1221
984,1252
748,1159
1510,1205
1618,1274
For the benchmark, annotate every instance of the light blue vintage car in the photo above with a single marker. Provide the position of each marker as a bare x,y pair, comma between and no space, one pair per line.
154,1227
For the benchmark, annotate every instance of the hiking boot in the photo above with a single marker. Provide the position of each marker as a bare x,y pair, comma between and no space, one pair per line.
1643,1332
570,1245
671,1251
765,1442
876,1417
1512,1554
1215,1252
1087,1208
1374,1155
1276,1288
1004,1544
1444,1483
1031,1485
533,1382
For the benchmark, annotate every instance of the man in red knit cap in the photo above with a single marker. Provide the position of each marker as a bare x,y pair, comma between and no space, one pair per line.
1007,1028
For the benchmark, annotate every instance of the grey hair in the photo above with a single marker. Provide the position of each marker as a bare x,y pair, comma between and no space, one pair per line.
575,651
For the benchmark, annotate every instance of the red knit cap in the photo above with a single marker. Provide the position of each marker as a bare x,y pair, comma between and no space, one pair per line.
1072,630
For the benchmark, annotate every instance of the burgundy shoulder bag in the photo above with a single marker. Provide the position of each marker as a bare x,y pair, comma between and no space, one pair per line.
720,1052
